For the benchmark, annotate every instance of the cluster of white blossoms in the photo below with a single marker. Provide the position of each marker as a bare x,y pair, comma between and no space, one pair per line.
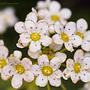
7,19
48,35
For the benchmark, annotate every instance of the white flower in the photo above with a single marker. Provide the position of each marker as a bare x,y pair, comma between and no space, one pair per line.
66,36
81,36
33,33
54,14
4,67
20,70
78,69
47,70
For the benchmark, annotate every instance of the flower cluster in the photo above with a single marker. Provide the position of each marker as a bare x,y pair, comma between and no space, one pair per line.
48,35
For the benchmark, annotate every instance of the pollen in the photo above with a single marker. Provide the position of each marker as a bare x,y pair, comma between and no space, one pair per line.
77,67
64,37
20,69
80,34
55,18
35,36
47,70
2,63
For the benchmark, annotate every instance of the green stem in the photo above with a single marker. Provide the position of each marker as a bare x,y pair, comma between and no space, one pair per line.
63,87
48,87
63,50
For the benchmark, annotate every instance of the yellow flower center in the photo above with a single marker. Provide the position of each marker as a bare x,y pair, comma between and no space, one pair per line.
64,37
35,36
77,67
55,18
80,34
20,69
47,70
49,52
2,63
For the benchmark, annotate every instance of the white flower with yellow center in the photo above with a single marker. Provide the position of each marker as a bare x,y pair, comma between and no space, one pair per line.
66,36
81,35
53,13
4,67
78,69
33,33
47,70
20,70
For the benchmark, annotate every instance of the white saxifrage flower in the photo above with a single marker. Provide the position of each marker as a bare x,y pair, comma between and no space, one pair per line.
86,86
20,70
81,35
47,70
33,33
54,14
4,64
66,36
79,68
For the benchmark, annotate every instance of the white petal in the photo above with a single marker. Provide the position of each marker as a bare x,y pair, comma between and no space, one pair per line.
58,27
17,54
61,56
57,40
86,64
42,13
82,24
28,76
46,41
29,25
1,43
70,28
41,81
69,46
54,6
86,45
19,27
41,4
55,63
74,77
6,72
57,74
43,27
65,13
56,82
16,81
3,51
43,60
34,46
70,64
66,74
31,17
78,56
27,63
76,40
85,76
51,29
34,55
55,47
36,70
24,39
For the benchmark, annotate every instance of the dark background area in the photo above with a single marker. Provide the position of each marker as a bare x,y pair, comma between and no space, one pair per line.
80,9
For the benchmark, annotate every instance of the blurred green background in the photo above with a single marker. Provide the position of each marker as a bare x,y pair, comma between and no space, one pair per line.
80,9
